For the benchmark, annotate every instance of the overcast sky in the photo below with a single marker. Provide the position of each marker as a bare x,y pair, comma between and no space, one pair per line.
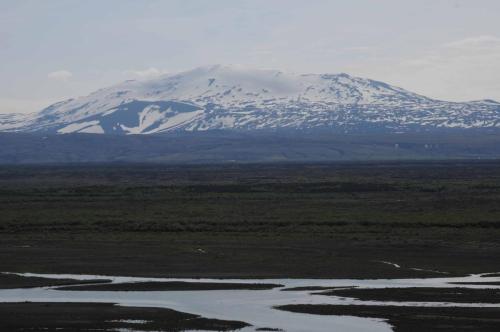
54,49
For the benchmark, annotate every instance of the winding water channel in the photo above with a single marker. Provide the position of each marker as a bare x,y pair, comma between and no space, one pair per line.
255,307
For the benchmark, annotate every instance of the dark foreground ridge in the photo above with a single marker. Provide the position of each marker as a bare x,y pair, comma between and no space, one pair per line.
68,317
413,319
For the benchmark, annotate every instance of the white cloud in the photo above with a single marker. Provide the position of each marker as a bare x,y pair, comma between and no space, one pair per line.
358,49
459,70
146,73
60,75
478,42
462,70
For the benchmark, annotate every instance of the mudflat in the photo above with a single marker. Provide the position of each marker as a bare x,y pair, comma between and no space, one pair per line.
103,317
12,281
413,319
169,286
420,294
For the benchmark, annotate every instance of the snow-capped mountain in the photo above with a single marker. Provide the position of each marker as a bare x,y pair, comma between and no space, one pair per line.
225,97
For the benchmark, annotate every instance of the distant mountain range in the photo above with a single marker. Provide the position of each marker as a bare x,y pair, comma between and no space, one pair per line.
225,97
